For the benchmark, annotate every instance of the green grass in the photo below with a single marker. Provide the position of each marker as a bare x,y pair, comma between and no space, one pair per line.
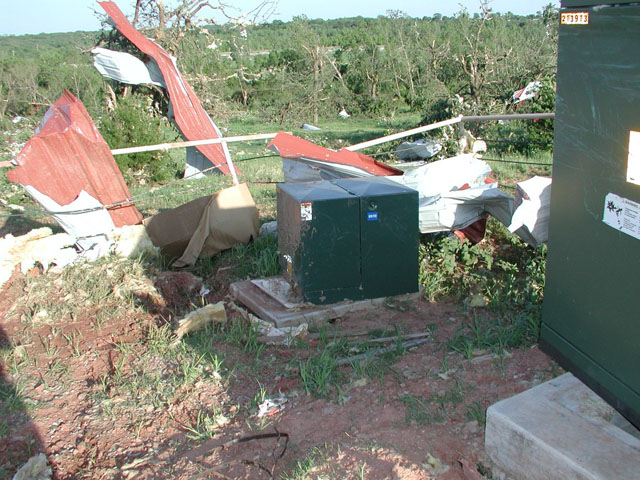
476,412
319,375
421,411
304,467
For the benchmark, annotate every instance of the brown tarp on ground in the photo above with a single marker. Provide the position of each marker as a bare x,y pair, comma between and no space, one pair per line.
205,226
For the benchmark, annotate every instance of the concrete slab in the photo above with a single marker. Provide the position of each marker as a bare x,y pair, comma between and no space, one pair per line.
273,309
561,430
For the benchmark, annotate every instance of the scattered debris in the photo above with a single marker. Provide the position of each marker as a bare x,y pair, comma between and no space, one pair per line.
434,466
343,114
36,468
420,149
269,228
271,335
130,241
198,319
380,351
303,161
125,68
530,91
455,193
191,118
467,143
38,247
205,226
68,168
41,248
532,207
272,406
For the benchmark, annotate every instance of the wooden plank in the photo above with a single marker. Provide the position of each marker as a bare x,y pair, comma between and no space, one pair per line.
267,308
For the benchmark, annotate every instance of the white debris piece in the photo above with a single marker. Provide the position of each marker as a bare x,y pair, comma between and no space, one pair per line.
343,114
532,207
446,175
271,406
530,91
35,469
124,67
130,241
85,218
423,148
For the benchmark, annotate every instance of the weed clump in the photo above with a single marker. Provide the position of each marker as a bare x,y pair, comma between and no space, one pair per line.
505,274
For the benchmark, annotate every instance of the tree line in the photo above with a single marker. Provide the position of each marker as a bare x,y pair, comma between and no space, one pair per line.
305,69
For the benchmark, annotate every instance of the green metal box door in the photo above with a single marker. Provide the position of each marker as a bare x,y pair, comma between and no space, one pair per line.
591,313
319,240
388,235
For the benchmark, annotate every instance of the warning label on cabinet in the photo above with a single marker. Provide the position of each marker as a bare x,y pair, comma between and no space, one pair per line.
306,211
622,214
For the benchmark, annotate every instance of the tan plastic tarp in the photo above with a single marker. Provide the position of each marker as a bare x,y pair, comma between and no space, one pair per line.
205,226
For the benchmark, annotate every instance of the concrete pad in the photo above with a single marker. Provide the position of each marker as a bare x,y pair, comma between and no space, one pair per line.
561,430
273,309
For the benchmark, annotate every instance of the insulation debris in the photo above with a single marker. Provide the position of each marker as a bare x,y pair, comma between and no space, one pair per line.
200,318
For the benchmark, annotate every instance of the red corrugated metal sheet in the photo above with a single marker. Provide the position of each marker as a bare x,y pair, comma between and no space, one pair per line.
68,155
290,146
190,116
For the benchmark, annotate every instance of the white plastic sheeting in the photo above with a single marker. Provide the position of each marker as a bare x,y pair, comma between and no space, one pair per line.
125,68
420,149
532,208
445,175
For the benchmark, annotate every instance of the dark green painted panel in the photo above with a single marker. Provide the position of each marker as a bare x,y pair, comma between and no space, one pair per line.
320,255
593,270
359,240
592,374
389,236
591,3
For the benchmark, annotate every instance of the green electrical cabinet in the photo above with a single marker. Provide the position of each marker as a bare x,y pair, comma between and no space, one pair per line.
348,238
591,312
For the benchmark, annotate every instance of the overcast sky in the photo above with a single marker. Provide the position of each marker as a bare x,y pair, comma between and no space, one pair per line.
19,17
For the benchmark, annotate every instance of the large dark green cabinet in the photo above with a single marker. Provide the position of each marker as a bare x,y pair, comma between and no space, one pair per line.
348,238
591,313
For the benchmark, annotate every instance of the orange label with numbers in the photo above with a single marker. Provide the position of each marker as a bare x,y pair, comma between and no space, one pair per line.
574,18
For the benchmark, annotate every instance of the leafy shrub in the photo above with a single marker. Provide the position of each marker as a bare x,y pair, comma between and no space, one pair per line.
135,122
509,274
